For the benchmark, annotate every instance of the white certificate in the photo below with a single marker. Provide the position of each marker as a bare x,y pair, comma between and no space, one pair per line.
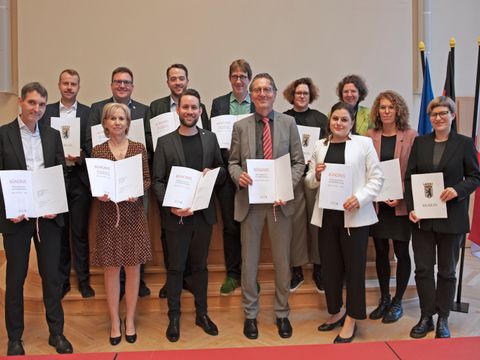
222,126
392,181
336,186
118,179
308,137
271,180
189,189
136,132
34,193
426,190
98,135
69,132
163,124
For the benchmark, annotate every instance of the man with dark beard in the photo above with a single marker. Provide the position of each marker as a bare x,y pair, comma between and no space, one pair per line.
188,233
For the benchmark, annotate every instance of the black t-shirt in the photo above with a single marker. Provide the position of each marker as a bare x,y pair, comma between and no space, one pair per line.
192,148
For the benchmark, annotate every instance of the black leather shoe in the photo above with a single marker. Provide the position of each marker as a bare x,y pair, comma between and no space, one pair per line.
116,340
65,288
424,326
442,331
330,326
381,309
86,290
173,329
250,329
143,290
162,294
341,340
317,278
394,312
15,347
284,327
60,343
129,338
206,324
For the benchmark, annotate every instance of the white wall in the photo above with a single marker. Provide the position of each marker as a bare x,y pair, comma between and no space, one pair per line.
324,39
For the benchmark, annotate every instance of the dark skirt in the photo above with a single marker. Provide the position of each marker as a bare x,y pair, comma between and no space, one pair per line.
390,226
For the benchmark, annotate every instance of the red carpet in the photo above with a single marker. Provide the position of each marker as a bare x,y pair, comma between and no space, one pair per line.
448,349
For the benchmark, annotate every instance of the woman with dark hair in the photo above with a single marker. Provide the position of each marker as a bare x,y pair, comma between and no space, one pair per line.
343,235
455,156
301,93
352,90
122,231
392,139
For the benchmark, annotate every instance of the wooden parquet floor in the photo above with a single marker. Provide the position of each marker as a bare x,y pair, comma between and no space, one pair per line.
90,333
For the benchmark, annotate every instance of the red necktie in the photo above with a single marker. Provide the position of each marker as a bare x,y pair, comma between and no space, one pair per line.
267,140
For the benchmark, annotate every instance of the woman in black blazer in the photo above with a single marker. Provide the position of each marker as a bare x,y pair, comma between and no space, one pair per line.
455,156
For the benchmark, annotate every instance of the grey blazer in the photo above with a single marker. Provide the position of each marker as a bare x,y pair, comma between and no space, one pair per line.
285,140
168,153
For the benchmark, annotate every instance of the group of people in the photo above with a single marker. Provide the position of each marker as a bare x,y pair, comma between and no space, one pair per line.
351,134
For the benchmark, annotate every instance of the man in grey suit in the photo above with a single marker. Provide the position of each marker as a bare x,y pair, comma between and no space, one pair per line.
177,82
122,88
236,102
188,232
281,137
78,188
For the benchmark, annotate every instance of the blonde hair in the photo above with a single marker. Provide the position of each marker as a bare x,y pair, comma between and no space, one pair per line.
111,108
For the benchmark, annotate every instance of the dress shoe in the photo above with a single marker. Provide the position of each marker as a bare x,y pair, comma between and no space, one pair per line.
381,309
15,347
297,278
65,288
129,338
60,343
206,324
424,326
250,329
284,327
341,340
173,329
86,290
442,331
317,278
116,340
143,290
394,312
162,294
330,326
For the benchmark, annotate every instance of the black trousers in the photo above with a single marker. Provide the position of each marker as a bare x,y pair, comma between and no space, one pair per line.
232,248
190,242
17,249
343,256
75,233
427,245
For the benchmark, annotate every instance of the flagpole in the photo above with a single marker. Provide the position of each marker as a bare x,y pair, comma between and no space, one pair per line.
421,47
458,306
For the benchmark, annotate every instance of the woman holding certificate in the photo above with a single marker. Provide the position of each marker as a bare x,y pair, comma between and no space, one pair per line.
392,139
454,155
301,93
122,231
343,234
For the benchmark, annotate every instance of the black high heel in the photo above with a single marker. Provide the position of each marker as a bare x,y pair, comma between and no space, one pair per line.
129,338
116,340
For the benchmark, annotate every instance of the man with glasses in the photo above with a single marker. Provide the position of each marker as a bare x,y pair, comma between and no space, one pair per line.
266,134
122,88
177,82
236,102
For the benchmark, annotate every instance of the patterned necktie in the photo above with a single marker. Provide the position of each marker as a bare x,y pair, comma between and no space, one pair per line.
267,140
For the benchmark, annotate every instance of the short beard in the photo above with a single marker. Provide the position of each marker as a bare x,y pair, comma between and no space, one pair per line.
188,125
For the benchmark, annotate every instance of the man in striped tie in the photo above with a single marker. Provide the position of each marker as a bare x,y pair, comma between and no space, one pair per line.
266,134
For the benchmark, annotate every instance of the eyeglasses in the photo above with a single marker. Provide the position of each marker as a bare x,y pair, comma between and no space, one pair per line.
266,91
124,82
442,114
300,93
238,77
